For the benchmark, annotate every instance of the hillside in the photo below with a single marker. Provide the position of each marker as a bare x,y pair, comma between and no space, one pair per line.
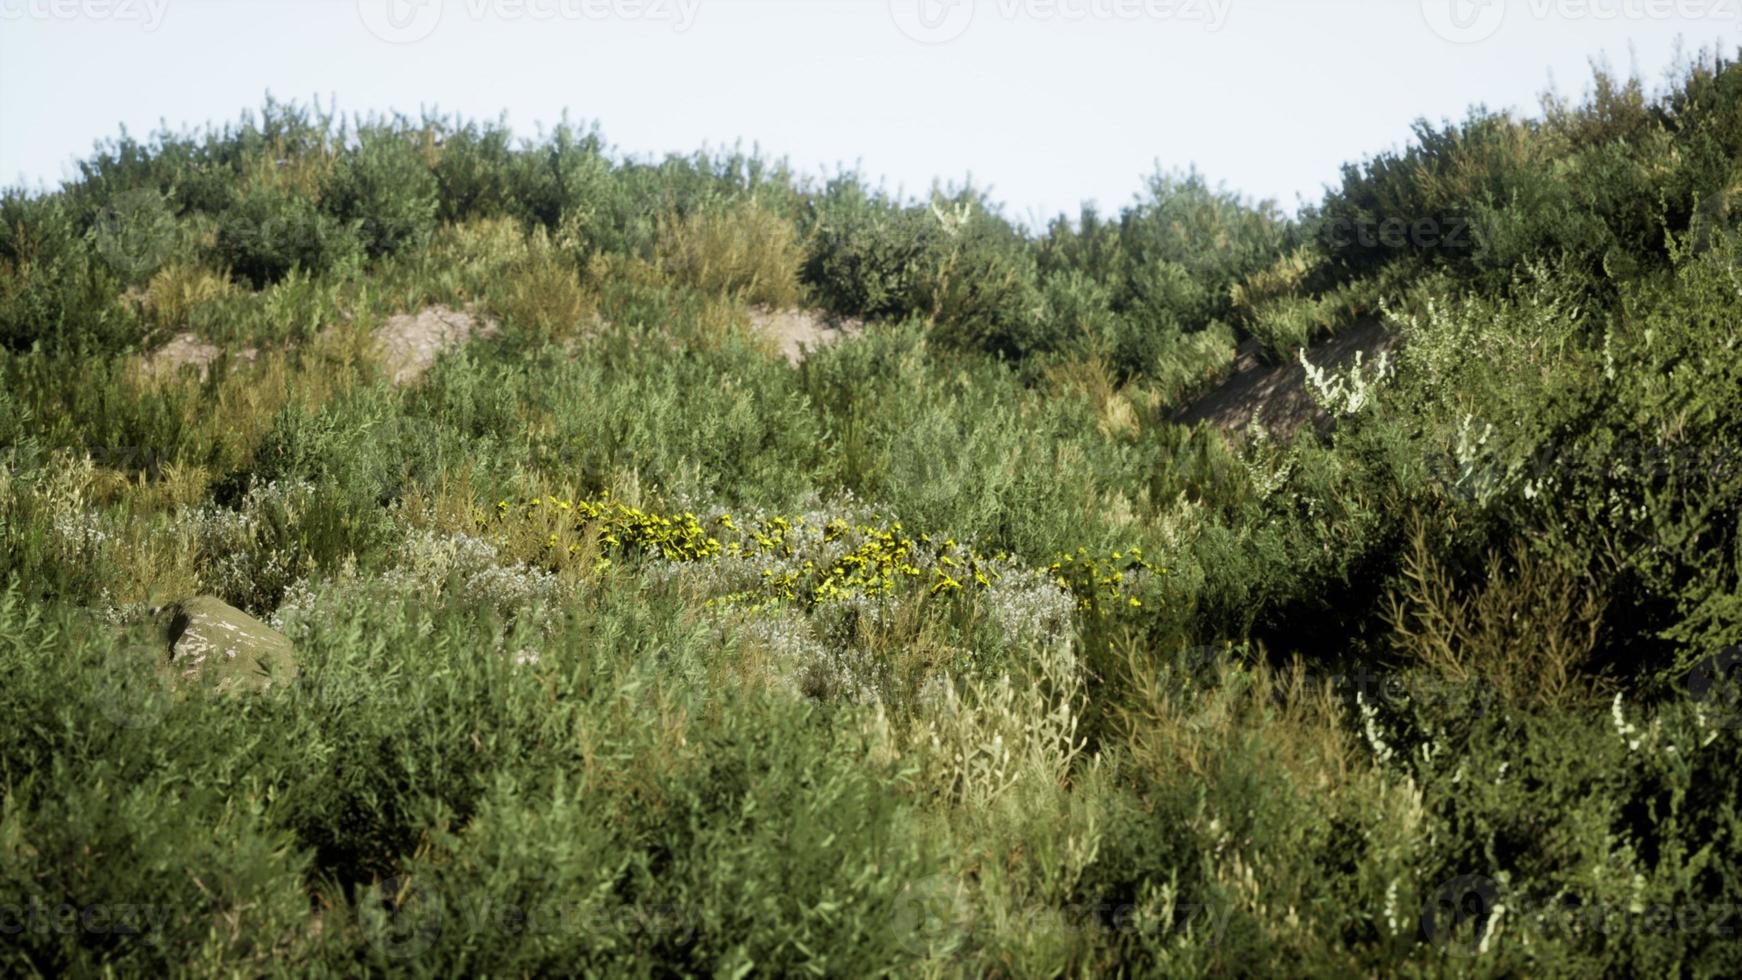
425,550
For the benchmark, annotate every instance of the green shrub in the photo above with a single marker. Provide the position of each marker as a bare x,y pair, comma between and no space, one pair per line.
1444,689
565,177
474,172
270,231
54,292
385,190
865,253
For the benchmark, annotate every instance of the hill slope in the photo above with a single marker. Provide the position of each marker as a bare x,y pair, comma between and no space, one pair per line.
968,645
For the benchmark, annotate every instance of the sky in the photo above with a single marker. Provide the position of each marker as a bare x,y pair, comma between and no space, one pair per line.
1048,103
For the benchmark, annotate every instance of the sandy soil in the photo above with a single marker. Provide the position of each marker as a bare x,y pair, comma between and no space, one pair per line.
798,332
185,349
410,343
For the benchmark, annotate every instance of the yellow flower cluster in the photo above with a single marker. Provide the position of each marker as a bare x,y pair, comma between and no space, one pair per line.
1103,584
880,559
630,530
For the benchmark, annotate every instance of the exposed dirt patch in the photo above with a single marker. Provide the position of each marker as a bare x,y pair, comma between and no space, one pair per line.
798,332
1276,396
410,343
185,349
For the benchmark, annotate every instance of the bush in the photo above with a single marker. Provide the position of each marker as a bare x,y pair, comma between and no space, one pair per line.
865,253
740,250
384,189
270,231
473,172
565,177
977,285
54,292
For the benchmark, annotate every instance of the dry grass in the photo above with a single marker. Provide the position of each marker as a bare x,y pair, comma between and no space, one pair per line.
1527,628
743,250
542,296
177,290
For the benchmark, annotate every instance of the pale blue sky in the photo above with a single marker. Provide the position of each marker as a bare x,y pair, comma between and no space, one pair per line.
1051,102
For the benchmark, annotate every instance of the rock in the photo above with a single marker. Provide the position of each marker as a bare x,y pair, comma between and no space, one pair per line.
223,646
185,349
1276,396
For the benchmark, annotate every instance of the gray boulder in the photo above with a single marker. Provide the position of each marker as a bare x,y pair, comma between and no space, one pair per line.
220,645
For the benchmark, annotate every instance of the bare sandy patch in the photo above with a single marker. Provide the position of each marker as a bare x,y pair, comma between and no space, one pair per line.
798,332
185,349
410,343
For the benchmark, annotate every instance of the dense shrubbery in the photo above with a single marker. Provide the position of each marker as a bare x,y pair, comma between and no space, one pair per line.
1448,689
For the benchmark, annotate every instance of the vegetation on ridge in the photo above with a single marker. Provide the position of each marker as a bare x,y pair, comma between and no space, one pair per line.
1451,689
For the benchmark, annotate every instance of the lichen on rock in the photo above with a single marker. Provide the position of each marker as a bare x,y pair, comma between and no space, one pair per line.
214,643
